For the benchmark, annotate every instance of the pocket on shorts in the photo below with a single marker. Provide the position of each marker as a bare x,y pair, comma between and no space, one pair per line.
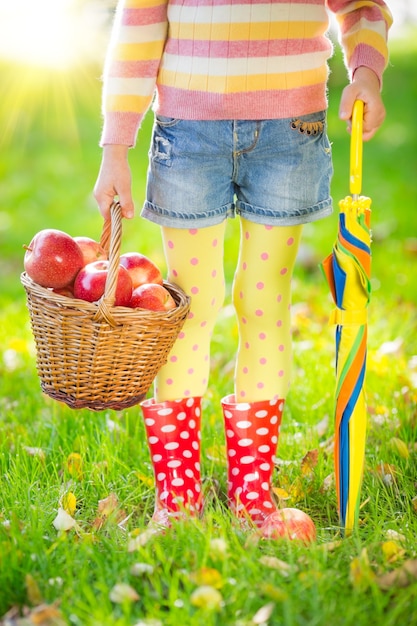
312,127
166,122
309,125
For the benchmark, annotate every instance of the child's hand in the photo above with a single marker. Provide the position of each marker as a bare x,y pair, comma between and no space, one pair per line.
114,179
365,86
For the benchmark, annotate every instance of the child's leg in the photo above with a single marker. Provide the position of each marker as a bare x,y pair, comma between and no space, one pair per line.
252,415
262,299
195,263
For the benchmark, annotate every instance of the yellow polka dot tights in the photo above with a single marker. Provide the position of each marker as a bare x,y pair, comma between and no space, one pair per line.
262,299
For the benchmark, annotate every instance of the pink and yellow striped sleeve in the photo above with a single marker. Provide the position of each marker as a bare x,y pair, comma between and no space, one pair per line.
132,64
364,26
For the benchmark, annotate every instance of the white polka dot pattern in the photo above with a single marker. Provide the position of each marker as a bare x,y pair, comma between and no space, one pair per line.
251,437
173,431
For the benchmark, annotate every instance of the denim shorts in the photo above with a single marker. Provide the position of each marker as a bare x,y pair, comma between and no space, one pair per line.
273,172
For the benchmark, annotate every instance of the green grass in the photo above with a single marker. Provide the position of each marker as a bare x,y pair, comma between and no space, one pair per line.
49,160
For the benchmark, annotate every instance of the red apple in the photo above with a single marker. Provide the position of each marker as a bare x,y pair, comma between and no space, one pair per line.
53,258
290,524
91,249
91,281
153,297
141,269
65,291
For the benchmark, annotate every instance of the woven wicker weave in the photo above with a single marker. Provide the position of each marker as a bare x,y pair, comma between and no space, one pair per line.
95,355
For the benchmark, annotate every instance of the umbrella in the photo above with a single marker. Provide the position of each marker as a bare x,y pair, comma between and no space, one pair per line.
347,270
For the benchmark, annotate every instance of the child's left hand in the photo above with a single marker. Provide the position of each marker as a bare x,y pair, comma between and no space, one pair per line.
364,86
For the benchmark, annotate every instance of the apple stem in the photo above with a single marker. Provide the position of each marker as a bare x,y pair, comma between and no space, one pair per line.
25,247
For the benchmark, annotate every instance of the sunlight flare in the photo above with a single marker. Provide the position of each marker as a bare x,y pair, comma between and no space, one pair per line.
52,33
51,55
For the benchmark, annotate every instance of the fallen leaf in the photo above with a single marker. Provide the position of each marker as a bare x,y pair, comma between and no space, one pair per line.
400,577
146,480
207,598
122,592
69,503
328,483
32,590
392,551
75,465
36,452
360,572
207,576
63,520
218,548
281,493
108,505
47,615
41,615
139,569
275,593
309,462
108,509
330,546
298,489
400,447
285,569
394,535
139,538
12,617
264,613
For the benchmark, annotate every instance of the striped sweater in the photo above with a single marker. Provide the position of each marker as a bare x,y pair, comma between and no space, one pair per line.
231,59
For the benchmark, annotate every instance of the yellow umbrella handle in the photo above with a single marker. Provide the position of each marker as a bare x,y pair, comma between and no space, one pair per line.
356,149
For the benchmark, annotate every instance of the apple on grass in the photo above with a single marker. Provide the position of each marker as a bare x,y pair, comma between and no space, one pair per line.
141,269
91,249
91,281
153,297
290,524
53,259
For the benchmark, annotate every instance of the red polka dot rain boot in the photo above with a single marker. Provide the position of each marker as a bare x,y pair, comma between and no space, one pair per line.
173,432
252,431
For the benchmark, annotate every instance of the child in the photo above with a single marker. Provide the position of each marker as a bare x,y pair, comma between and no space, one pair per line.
240,129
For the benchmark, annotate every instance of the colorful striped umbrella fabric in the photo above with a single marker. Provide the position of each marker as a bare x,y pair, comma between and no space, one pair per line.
348,272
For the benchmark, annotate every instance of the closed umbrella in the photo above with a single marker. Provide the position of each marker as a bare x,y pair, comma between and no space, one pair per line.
348,271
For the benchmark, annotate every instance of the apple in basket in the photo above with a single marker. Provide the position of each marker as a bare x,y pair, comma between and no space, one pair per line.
290,524
91,249
141,269
53,259
65,291
153,297
91,281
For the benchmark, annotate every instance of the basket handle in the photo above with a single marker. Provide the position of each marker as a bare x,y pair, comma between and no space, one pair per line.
356,149
111,238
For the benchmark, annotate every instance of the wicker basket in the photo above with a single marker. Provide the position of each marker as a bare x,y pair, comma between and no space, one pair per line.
95,355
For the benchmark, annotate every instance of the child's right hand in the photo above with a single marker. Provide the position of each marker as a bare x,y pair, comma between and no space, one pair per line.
114,179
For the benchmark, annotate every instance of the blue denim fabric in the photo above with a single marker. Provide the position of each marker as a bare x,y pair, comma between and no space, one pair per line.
274,172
